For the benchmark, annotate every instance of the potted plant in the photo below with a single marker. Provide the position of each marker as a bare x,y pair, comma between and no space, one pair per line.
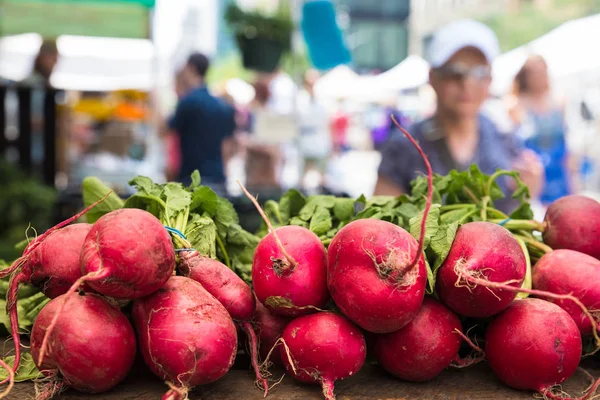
262,38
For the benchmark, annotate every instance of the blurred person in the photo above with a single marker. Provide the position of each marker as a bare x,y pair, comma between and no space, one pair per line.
39,80
314,139
540,123
262,159
339,124
172,141
457,135
203,123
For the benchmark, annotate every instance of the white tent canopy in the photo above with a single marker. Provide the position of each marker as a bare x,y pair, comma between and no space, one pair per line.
410,73
17,54
339,82
568,50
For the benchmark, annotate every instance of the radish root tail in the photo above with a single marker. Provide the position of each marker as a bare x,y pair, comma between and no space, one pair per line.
11,379
328,386
548,393
11,310
92,276
539,293
468,361
175,393
253,343
429,199
292,262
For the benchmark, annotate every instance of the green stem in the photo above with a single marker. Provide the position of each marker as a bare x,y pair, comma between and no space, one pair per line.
497,213
521,224
452,207
327,241
467,216
536,244
526,234
225,255
527,283
484,203
493,178
471,195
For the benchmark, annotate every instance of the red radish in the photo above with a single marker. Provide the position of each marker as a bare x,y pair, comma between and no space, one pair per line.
55,264
289,269
322,348
484,271
376,272
573,222
186,336
231,291
51,262
269,328
126,255
424,348
92,348
481,250
534,345
571,272
370,275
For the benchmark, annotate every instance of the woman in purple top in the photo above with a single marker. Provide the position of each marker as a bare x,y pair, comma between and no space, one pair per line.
457,136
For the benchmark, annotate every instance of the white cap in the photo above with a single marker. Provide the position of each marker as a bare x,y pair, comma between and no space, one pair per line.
459,34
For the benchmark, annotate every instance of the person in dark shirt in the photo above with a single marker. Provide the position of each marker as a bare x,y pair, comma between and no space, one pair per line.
458,135
203,122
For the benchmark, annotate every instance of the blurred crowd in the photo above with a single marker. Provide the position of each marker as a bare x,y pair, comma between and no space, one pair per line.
526,132
289,136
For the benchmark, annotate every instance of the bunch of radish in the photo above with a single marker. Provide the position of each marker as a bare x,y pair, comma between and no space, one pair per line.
372,280
82,340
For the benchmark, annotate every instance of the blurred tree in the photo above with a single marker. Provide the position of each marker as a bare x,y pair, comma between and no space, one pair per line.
531,20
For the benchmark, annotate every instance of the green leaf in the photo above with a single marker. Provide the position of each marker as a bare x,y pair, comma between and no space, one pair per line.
195,179
343,209
290,204
154,205
440,246
144,185
176,197
271,209
204,199
225,216
321,221
431,226
27,370
94,190
299,222
201,232
407,211
524,211
380,200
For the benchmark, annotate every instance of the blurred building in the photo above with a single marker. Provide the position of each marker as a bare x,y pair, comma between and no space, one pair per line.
376,31
427,15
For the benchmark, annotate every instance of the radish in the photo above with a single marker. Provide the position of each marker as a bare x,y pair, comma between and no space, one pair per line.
322,348
480,250
126,255
231,291
51,262
425,347
92,348
571,272
376,272
573,222
534,345
484,271
186,336
269,328
289,269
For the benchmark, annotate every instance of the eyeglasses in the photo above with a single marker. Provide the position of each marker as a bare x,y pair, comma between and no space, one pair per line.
457,72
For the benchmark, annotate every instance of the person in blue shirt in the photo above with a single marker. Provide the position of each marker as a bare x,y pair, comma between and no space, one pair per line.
542,127
458,135
203,122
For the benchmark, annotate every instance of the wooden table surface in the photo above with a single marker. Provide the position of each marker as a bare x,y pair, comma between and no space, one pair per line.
371,383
